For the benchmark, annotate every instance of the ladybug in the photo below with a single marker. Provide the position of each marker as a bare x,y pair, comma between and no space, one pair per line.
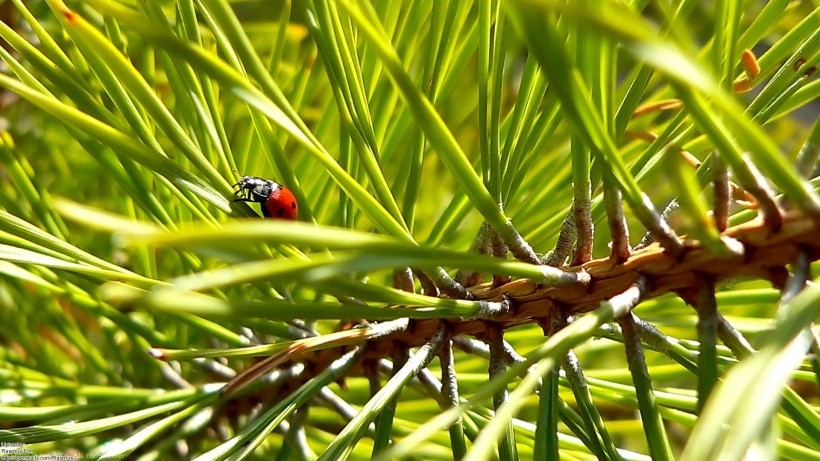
277,200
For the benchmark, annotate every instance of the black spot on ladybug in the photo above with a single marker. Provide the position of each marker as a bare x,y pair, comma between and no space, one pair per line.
280,212
293,205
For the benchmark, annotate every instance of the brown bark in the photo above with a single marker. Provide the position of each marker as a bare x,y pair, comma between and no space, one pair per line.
766,253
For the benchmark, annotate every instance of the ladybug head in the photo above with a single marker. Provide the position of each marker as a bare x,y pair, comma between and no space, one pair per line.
254,189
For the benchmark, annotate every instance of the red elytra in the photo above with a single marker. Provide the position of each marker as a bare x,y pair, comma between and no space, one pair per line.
282,204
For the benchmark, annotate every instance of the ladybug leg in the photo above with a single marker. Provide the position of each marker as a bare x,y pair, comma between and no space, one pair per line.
242,195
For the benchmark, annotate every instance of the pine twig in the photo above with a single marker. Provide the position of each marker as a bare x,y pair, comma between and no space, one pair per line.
495,339
563,247
617,222
450,398
722,193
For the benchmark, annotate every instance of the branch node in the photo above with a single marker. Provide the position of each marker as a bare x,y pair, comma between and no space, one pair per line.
492,309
